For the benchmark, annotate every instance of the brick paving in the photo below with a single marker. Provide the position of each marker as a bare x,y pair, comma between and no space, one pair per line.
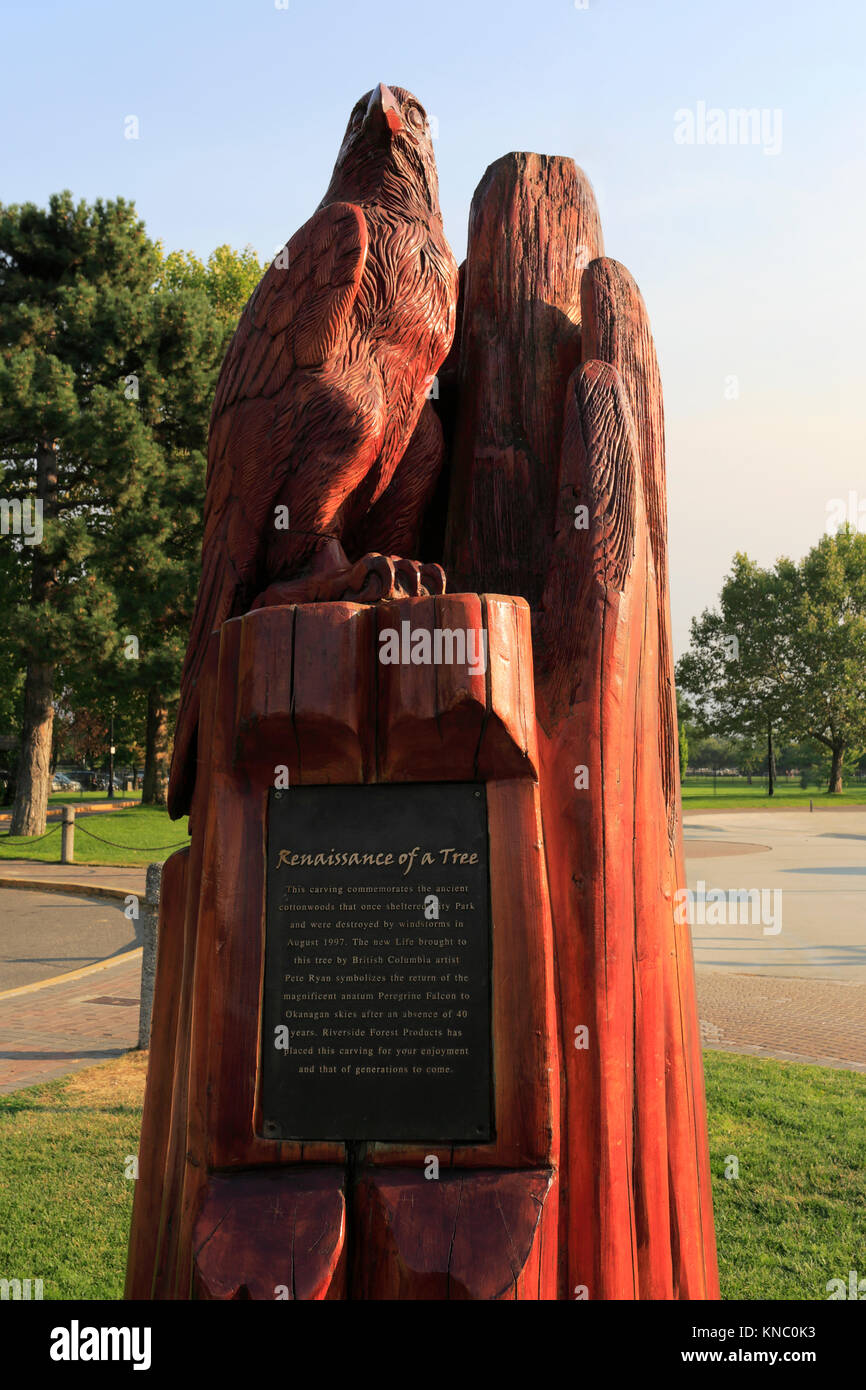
795,1019
62,1026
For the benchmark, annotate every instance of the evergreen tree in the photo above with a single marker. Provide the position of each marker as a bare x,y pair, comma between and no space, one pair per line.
109,354
76,286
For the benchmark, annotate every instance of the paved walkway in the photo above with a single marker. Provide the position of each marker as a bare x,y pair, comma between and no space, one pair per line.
85,1012
47,1030
816,861
47,934
821,1021
799,993
88,875
82,808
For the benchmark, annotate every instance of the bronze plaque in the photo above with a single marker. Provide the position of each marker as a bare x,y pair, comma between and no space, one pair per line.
376,1009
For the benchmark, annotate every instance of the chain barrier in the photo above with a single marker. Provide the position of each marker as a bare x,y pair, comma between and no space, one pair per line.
39,839
144,849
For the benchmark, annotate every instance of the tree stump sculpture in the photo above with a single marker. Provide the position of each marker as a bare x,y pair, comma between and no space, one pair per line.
558,494
592,1177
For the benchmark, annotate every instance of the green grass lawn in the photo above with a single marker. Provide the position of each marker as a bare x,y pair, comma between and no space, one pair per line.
796,1216
793,1220
65,1200
735,794
138,835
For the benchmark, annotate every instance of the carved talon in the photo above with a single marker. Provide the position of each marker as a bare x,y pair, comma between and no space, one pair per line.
408,573
371,579
433,578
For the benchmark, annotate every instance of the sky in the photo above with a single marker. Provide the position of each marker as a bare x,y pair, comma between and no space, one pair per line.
749,254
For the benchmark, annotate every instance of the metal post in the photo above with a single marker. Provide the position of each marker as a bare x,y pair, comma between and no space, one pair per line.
67,836
149,931
111,760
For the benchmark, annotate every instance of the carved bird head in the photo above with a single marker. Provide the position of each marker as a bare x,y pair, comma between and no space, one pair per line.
387,154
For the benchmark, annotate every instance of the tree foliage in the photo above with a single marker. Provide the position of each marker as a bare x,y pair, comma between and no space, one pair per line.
109,353
785,653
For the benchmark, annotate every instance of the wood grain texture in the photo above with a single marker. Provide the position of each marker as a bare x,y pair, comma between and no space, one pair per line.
462,1236
533,226
306,680
321,391
278,1234
616,329
153,1142
576,524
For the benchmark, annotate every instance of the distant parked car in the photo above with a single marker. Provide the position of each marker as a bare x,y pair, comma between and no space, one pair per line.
100,782
62,783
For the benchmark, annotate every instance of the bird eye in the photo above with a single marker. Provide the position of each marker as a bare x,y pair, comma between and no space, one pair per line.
415,119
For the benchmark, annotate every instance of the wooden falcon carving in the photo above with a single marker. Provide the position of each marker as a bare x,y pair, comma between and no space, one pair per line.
322,453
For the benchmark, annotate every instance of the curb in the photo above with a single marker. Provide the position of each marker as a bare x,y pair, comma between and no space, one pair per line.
82,808
85,970
82,890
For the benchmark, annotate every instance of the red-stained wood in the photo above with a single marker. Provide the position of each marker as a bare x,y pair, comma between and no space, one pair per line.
509,744
535,442
306,678
273,1234
616,329
424,709
533,226
312,444
596,1182
153,1140
488,1236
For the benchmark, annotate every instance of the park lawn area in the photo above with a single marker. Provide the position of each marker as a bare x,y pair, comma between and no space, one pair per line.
791,1222
138,835
65,1199
735,794
796,1216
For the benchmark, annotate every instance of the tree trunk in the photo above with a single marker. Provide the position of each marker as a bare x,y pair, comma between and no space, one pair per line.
558,495
34,767
771,762
835,787
748,779
34,764
155,752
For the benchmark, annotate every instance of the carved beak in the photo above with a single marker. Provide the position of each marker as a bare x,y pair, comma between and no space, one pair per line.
383,113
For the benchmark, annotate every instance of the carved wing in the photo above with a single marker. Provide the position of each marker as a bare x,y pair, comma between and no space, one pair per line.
293,320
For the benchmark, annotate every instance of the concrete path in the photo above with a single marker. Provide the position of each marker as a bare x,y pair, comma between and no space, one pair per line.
86,875
47,934
799,993
817,861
